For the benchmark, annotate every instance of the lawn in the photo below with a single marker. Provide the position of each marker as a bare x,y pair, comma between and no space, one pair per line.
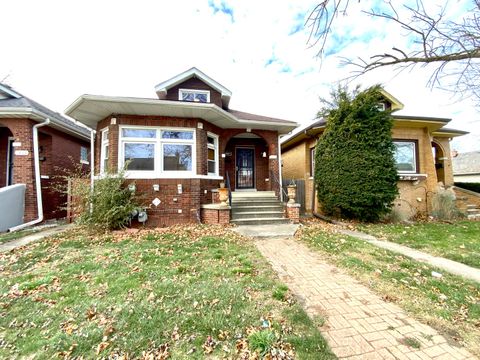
449,304
459,241
182,292
9,236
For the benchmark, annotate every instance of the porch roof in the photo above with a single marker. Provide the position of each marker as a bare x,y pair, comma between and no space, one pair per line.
90,109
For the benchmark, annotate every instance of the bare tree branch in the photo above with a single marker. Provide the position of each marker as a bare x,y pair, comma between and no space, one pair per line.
451,48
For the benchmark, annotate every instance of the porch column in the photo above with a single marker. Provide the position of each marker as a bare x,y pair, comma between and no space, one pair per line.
274,174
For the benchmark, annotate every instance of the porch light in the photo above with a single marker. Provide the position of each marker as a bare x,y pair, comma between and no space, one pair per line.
264,154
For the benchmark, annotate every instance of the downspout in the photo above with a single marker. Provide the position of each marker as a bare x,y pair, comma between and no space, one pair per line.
279,151
38,184
92,164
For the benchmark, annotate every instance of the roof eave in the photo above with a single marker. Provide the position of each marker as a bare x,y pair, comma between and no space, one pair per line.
37,115
205,108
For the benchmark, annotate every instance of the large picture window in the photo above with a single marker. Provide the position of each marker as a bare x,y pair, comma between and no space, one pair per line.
155,151
406,156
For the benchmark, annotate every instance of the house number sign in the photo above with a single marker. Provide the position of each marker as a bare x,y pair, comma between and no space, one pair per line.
21,152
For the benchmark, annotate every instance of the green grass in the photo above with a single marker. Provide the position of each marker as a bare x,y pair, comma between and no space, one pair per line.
450,303
186,291
459,241
9,236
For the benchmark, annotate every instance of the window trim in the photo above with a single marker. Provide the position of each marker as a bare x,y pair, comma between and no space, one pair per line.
415,156
158,141
104,141
312,161
86,162
195,91
215,148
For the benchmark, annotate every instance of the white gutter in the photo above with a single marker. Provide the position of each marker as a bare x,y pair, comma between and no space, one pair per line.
38,184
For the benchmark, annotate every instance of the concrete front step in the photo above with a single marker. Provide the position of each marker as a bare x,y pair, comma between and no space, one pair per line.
472,206
252,194
260,221
256,208
257,214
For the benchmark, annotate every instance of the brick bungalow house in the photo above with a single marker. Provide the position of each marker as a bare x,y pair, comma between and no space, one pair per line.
422,155
60,142
180,146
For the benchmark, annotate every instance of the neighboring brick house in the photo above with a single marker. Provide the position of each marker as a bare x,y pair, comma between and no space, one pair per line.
180,146
61,144
422,155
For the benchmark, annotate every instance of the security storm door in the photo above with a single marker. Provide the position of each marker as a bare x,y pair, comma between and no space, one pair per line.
10,155
245,168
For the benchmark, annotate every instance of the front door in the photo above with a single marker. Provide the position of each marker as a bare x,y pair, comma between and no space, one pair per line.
10,156
245,168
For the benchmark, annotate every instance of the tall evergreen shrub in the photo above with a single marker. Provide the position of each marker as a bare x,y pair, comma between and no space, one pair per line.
355,172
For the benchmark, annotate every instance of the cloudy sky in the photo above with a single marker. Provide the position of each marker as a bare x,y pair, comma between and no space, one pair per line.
54,51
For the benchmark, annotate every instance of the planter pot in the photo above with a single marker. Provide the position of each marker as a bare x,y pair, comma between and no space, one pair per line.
223,196
292,193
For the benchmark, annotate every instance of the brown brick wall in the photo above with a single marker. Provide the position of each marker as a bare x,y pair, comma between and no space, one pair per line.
57,147
196,191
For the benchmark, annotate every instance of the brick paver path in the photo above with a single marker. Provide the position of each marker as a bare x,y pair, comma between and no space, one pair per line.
359,324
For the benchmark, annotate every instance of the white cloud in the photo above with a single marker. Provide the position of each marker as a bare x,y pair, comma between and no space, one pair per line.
58,50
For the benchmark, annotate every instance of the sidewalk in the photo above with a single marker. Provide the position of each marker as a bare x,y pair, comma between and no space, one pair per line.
450,266
10,245
359,324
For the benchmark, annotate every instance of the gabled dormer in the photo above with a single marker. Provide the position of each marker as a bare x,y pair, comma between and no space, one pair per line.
6,92
194,86
389,102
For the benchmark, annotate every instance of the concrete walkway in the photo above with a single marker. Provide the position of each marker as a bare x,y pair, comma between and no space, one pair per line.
450,266
262,231
10,245
359,324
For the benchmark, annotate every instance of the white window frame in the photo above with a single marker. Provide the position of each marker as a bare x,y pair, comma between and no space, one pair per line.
194,91
158,171
312,161
214,147
415,160
104,142
381,106
82,161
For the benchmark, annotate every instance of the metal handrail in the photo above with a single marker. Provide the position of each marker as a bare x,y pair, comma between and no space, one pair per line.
283,193
227,184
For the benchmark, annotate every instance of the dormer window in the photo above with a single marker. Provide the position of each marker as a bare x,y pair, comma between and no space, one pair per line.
381,106
202,96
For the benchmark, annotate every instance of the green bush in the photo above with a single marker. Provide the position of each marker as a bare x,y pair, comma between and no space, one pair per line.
469,186
110,204
355,172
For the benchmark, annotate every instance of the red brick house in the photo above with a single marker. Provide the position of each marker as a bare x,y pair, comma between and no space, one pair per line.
60,141
181,145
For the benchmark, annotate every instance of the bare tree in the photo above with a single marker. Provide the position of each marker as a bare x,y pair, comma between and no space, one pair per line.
451,47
